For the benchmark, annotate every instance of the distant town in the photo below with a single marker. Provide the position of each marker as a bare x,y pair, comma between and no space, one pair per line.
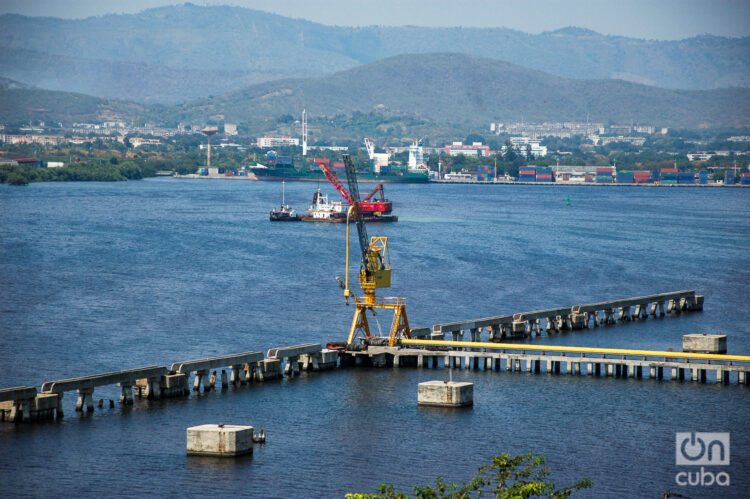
561,152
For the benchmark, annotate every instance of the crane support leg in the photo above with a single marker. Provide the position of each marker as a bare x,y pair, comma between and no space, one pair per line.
400,325
359,324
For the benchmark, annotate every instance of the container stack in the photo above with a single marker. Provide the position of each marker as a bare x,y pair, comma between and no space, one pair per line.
527,174
605,175
625,177
484,173
703,177
284,160
642,177
668,176
686,178
729,177
745,179
544,174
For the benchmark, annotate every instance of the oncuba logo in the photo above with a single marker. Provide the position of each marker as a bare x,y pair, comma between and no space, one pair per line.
702,449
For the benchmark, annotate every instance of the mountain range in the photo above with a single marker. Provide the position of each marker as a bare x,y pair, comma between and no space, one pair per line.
183,52
408,96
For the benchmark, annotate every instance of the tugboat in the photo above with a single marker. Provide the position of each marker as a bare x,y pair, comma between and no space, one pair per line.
283,213
323,210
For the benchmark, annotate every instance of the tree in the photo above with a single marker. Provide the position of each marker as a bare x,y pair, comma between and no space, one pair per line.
473,137
510,152
506,477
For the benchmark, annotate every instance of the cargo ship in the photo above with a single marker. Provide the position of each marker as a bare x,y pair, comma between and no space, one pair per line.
282,168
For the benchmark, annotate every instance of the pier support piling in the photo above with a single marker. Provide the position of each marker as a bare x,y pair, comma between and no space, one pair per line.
85,400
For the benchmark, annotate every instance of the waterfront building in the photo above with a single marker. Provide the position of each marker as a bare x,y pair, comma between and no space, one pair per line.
530,148
475,149
276,141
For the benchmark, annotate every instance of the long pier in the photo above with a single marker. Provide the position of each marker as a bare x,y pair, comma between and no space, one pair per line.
426,348
26,403
524,324
550,359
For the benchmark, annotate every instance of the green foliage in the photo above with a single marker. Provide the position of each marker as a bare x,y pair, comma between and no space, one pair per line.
82,172
506,477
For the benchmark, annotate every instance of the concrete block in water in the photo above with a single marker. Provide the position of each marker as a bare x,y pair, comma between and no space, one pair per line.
446,393
704,343
219,440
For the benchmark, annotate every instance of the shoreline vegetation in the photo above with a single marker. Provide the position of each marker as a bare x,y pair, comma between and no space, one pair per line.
127,170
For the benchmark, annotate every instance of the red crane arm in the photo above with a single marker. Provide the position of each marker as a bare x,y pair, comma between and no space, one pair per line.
378,188
336,183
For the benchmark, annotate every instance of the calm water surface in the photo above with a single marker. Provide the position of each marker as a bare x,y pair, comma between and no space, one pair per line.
99,276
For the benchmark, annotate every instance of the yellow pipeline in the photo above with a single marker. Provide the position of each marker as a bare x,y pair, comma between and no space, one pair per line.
552,348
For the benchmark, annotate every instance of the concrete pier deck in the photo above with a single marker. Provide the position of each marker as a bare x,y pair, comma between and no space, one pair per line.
556,319
550,359
426,348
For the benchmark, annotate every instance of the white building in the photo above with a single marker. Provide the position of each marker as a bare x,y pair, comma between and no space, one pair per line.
140,141
527,147
230,129
636,141
269,142
475,149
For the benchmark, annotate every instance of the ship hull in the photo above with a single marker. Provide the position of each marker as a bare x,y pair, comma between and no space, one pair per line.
341,220
365,178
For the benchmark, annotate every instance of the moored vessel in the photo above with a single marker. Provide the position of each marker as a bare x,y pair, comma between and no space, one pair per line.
283,213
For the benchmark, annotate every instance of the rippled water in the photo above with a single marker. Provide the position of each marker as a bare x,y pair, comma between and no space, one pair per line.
97,277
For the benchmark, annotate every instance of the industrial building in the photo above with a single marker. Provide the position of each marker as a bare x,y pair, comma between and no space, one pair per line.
475,149
280,141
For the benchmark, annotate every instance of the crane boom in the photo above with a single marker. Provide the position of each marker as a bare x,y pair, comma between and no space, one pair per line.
370,148
370,205
351,178
336,183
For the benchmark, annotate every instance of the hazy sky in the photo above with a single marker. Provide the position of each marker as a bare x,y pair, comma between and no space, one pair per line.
657,19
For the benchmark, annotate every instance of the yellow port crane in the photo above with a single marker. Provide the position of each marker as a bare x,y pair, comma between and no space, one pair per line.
374,272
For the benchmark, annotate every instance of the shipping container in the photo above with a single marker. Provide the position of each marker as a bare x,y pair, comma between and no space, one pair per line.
625,177
703,177
284,160
605,169
745,179
642,177
729,177
686,178
669,170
